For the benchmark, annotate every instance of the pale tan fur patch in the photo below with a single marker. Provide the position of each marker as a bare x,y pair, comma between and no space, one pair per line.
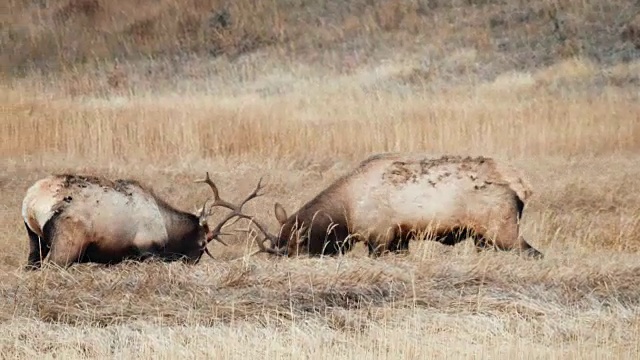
430,193
40,202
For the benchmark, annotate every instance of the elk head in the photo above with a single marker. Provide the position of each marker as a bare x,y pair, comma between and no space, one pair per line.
292,234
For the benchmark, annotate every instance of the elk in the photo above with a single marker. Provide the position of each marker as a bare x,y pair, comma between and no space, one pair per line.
391,198
77,218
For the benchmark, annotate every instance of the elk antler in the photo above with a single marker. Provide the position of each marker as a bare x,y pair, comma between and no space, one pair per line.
204,223
206,251
236,210
260,244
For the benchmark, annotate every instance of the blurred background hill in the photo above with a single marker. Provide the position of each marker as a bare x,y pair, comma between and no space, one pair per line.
161,36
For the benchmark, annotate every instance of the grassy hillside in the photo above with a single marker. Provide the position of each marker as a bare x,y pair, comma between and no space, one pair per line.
299,92
52,36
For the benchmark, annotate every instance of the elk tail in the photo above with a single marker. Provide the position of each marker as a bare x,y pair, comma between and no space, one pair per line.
517,182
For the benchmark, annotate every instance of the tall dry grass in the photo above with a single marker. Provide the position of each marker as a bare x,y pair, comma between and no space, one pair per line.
578,147
516,115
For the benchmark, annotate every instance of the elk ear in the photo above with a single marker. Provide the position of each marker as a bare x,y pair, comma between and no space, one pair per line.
281,214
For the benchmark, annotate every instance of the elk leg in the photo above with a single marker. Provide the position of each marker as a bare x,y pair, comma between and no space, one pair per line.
345,246
383,242
453,236
375,249
64,253
67,243
507,237
529,250
345,240
375,246
400,243
38,250
370,247
480,242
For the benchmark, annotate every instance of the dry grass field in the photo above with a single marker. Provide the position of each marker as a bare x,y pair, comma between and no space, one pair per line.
299,92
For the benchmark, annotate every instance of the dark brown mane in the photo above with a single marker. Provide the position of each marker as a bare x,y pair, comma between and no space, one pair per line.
120,185
375,157
70,180
453,159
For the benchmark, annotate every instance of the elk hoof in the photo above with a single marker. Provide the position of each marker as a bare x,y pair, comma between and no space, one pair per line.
534,254
31,267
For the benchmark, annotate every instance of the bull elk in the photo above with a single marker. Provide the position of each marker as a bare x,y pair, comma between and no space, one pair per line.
389,198
75,219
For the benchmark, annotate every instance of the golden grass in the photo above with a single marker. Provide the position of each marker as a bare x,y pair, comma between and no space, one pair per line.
573,127
578,149
508,117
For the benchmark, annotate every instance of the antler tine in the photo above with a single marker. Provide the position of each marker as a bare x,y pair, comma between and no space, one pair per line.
264,249
217,201
206,251
201,215
215,233
267,250
236,210
260,227
254,194
227,225
207,180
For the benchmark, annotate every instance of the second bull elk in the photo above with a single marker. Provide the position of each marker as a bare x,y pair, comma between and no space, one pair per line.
390,198
75,218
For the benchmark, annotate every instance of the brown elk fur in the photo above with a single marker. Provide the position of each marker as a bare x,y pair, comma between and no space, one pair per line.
389,198
74,218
